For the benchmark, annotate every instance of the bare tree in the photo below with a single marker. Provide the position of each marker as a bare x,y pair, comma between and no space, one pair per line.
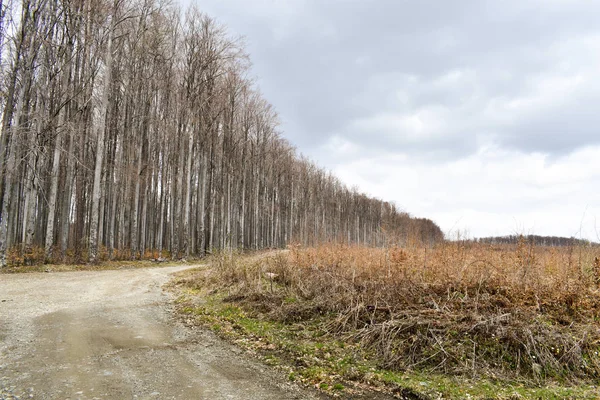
131,127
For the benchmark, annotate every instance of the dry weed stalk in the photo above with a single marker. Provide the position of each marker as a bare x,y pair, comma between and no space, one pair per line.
455,308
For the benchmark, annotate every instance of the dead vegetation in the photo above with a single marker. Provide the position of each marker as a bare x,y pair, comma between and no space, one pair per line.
36,261
22,258
524,313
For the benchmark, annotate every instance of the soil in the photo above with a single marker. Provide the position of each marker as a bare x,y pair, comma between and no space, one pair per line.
113,335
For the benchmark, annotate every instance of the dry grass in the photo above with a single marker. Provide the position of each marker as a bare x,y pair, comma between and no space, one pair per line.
34,260
22,258
521,312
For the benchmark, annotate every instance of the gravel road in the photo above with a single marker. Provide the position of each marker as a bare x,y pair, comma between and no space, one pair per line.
112,335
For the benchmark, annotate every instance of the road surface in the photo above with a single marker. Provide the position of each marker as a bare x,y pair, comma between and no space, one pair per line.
112,335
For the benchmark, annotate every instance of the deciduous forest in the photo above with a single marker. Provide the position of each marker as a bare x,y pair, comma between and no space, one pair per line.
131,128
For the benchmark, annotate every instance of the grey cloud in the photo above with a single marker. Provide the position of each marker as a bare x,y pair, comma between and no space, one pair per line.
327,64
560,131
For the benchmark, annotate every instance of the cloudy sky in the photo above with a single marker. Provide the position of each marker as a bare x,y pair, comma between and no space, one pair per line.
481,115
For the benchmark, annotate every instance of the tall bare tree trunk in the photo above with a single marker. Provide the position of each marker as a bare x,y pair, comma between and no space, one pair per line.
53,192
135,208
202,206
100,134
188,197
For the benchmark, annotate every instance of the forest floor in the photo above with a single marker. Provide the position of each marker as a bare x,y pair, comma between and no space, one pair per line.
113,335
101,266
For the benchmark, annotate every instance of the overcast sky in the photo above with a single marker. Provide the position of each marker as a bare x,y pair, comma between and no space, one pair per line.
481,115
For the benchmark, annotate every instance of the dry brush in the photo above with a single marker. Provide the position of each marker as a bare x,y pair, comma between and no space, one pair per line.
517,312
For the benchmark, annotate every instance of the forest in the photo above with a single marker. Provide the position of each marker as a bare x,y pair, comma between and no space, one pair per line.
553,241
132,129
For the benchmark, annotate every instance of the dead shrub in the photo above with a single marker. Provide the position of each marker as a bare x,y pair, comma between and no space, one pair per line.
459,308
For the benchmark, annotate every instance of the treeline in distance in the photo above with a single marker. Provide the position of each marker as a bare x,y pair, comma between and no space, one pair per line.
554,241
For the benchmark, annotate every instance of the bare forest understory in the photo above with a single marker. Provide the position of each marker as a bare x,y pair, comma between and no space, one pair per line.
132,130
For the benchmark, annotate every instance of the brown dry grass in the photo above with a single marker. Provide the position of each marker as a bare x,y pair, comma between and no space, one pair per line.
517,312
21,257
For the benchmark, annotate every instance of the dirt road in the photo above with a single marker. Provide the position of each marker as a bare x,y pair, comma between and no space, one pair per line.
112,335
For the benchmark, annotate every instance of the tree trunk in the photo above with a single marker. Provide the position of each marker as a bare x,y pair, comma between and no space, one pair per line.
93,242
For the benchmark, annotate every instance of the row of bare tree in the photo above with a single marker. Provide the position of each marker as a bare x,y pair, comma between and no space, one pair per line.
130,127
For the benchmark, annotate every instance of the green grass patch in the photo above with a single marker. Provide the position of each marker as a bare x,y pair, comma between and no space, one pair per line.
338,367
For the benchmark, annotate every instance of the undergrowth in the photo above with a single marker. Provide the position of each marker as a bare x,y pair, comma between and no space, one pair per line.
523,315
21,256
101,266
